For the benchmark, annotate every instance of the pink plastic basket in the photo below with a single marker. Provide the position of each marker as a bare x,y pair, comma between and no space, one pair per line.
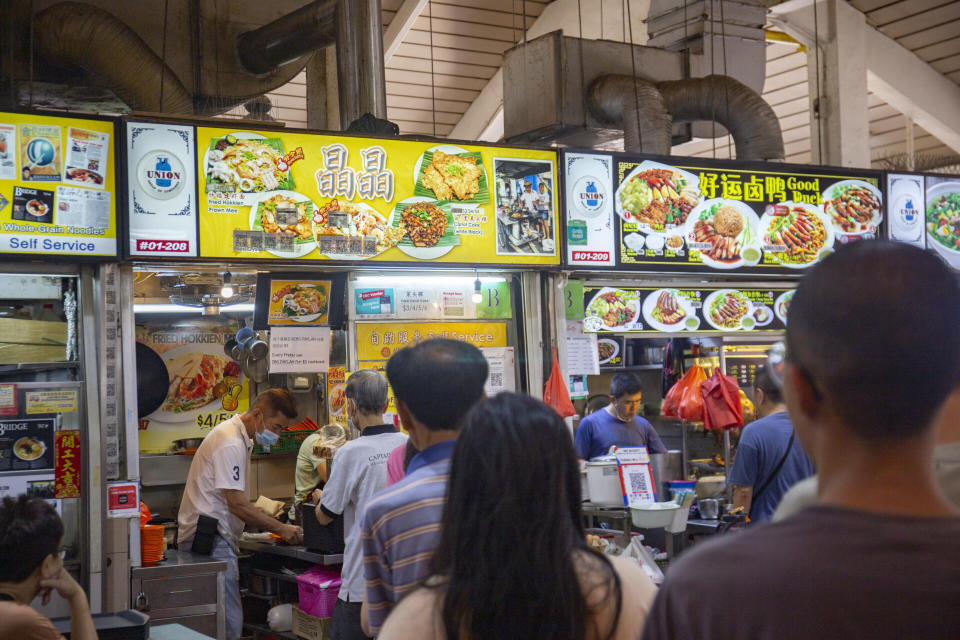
318,589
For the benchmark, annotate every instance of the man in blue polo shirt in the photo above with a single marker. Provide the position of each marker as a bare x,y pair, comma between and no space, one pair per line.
435,384
618,423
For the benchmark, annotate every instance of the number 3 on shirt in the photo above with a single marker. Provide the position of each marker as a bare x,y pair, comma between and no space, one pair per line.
236,472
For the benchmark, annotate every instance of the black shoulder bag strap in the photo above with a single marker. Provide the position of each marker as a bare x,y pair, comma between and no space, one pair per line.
776,470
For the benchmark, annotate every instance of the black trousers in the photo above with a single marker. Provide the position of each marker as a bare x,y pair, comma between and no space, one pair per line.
346,621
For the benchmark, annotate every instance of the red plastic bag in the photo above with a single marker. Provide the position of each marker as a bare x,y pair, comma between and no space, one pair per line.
671,403
555,391
691,403
721,401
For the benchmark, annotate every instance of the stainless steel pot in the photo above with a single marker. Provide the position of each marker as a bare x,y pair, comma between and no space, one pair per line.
187,443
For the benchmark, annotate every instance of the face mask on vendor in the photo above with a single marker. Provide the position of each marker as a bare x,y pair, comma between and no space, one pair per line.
268,437
626,407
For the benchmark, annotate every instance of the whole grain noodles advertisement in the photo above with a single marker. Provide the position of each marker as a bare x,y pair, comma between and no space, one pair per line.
698,215
305,196
57,186
611,310
205,386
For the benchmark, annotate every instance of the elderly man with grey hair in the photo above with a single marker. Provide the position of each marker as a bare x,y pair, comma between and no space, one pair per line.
359,471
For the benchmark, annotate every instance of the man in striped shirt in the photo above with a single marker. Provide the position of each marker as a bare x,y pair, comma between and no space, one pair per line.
435,384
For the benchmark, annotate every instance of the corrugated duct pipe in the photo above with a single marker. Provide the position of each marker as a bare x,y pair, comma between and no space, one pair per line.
616,98
72,34
750,120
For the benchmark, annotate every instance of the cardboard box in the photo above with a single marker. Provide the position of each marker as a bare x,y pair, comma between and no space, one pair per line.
16,353
23,331
306,626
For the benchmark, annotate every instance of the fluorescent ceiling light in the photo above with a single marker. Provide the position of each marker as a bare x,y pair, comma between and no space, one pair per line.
424,280
177,308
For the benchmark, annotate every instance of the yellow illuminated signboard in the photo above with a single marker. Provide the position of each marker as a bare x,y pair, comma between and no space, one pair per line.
306,196
57,193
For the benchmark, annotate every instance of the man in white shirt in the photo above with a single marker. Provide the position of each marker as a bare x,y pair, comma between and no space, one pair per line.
217,488
529,198
359,471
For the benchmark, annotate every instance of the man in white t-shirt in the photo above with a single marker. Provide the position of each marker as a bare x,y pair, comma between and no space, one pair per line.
359,471
529,198
217,488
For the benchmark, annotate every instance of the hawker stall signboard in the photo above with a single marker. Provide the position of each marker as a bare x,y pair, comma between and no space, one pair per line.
669,310
312,197
57,193
205,386
688,214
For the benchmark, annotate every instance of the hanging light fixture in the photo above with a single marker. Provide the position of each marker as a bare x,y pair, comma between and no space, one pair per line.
226,291
477,296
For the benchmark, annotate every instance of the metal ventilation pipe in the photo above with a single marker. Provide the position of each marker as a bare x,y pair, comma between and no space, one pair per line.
638,106
749,119
361,81
64,33
296,34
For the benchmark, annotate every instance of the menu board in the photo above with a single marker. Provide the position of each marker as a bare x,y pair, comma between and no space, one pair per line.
57,193
304,196
668,310
705,215
161,189
942,219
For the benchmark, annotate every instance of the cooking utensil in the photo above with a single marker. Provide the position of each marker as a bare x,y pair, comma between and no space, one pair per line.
255,369
257,348
229,346
187,443
709,508
153,380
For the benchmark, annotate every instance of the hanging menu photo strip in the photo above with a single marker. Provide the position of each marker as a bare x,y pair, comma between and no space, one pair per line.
668,310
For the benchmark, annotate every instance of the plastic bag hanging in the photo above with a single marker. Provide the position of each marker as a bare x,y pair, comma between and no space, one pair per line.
721,402
555,391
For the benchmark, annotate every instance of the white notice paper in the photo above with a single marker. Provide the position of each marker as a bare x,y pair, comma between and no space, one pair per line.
582,355
502,377
299,349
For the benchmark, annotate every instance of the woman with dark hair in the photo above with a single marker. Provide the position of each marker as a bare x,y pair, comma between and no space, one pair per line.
513,561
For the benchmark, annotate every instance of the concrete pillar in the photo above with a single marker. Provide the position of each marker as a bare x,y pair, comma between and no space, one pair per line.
839,123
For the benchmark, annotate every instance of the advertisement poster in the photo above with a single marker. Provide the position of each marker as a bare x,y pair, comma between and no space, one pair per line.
205,386
26,445
41,485
123,499
702,215
943,217
306,196
337,395
62,401
67,476
666,310
453,300
293,303
161,187
373,303
57,186
378,340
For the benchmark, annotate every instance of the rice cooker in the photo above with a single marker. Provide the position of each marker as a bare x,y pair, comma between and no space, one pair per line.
603,481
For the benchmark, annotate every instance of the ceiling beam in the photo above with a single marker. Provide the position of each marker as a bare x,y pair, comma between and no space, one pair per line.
400,25
483,120
893,73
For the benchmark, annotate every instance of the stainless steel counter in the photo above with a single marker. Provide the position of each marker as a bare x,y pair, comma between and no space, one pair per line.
186,588
287,551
